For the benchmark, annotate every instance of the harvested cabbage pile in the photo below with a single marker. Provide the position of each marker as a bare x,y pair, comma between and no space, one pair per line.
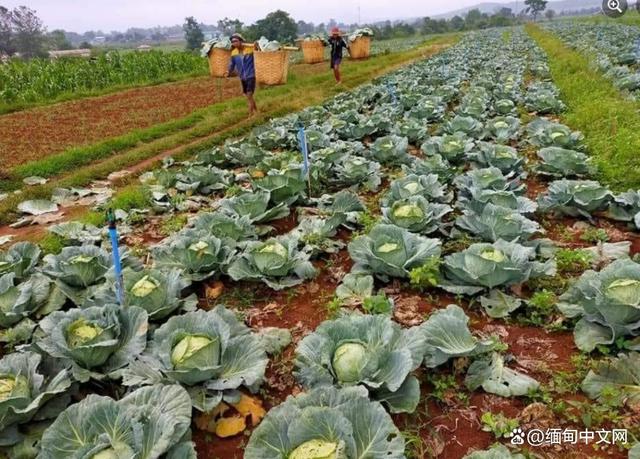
220,43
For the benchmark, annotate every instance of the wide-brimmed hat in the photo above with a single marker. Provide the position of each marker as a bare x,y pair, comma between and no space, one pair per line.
238,36
335,31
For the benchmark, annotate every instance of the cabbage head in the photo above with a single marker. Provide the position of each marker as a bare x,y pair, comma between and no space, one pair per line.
78,271
544,133
203,179
327,423
479,199
486,266
367,350
434,164
496,222
27,385
254,206
277,262
159,292
452,147
503,157
228,227
426,186
36,295
149,423
97,341
490,178
357,171
390,251
198,254
560,162
416,214
209,352
575,198
608,304
464,124
390,150
20,259
503,128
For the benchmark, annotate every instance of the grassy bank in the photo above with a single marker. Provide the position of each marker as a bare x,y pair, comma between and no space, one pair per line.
608,120
202,129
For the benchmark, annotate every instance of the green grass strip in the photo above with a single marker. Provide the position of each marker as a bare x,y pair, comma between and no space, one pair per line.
610,123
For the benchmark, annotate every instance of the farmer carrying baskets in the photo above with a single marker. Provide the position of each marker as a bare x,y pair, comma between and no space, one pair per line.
242,62
337,44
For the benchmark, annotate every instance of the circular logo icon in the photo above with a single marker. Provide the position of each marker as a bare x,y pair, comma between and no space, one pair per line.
614,8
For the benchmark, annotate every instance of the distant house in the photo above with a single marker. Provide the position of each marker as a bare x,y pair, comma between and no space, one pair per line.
144,48
70,53
99,40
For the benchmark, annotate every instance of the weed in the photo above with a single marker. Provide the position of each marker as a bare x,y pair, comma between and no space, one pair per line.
333,307
131,197
446,389
572,262
594,235
51,243
498,424
426,276
173,224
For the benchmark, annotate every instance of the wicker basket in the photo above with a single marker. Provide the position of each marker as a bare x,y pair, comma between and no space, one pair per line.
219,60
360,48
272,67
312,51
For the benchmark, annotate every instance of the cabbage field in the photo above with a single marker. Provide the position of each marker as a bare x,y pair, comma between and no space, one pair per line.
443,276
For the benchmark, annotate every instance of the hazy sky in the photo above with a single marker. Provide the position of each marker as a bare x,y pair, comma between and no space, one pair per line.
107,15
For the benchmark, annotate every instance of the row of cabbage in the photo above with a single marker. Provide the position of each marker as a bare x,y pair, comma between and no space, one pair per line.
613,49
192,357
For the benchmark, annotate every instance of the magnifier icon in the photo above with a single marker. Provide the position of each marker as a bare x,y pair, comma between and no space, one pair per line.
614,5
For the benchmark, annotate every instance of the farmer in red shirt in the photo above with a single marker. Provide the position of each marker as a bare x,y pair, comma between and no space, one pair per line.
337,44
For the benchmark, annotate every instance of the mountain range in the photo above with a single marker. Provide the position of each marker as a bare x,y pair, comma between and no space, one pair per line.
517,6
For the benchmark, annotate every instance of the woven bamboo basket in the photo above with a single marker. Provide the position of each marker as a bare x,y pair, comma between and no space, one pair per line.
219,60
272,67
312,51
360,48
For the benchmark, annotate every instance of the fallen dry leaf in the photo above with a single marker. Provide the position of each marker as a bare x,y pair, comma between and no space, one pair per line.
214,290
207,421
228,427
250,406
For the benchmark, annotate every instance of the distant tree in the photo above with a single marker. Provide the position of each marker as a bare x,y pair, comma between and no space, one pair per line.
535,7
28,34
550,14
6,35
85,45
278,25
158,36
228,26
305,27
457,23
505,12
58,40
192,33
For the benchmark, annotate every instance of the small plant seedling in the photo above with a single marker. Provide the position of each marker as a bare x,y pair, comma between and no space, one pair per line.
377,304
